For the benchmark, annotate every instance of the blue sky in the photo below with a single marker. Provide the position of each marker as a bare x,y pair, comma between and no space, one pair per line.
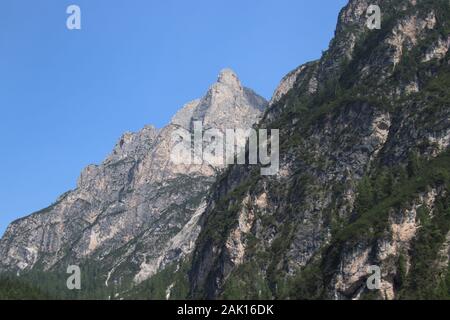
67,96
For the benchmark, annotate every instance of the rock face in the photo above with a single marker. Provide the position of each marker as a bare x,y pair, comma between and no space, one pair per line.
364,172
364,182
137,211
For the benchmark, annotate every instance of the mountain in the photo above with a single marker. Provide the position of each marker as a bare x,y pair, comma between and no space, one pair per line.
363,184
364,174
137,211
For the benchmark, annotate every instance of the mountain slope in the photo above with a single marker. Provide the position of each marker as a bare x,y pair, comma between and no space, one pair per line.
364,172
364,181
137,211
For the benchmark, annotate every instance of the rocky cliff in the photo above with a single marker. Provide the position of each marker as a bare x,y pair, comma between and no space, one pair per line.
137,211
364,182
364,172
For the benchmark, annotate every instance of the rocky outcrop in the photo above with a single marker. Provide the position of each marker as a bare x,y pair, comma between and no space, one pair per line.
396,243
350,123
364,180
137,211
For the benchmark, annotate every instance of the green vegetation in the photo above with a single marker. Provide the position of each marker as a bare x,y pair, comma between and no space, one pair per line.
223,218
425,280
53,284
378,195
247,282
173,279
12,288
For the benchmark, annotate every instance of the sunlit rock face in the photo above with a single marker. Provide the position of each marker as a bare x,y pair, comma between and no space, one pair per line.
137,211
364,181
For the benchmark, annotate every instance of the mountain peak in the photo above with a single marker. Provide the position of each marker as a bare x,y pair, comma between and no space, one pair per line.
229,77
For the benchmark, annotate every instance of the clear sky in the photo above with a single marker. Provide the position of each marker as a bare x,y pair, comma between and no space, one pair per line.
67,96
